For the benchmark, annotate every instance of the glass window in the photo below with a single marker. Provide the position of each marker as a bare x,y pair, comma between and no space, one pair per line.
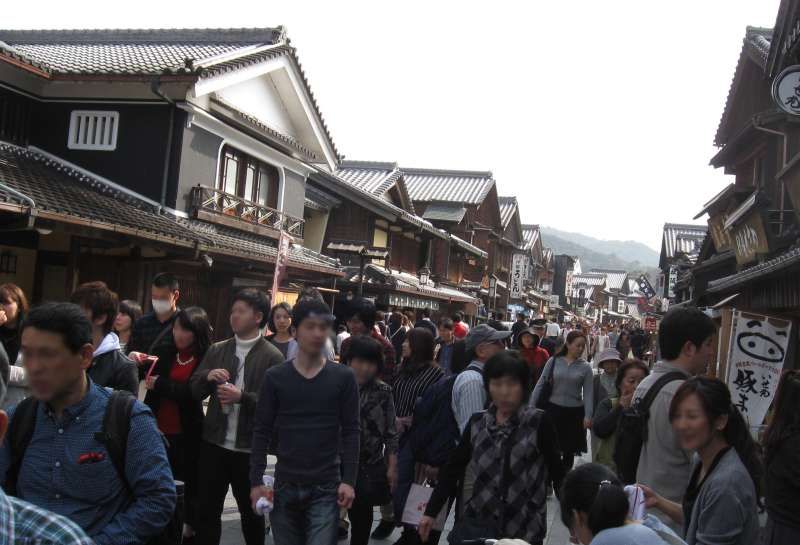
263,185
230,173
250,182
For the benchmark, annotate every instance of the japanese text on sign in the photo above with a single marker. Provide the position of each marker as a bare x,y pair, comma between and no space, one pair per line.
756,356
517,275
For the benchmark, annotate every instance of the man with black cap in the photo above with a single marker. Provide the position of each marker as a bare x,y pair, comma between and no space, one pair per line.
540,328
469,393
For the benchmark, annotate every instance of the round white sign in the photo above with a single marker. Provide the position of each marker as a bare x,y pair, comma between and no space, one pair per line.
786,90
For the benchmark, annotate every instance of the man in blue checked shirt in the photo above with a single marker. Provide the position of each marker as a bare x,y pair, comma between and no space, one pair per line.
65,469
22,522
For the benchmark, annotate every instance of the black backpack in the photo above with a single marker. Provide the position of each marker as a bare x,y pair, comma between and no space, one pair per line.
632,429
113,435
434,434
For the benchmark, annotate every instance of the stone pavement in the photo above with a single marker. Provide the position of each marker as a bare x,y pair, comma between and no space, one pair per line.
557,534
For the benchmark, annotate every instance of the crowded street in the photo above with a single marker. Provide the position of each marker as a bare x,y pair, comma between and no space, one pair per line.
353,273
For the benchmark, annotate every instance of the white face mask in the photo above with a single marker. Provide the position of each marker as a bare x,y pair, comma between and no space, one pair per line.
160,306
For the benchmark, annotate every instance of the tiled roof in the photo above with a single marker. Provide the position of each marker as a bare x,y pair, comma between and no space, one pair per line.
615,280
129,51
376,178
755,48
373,177
256,247
461,186
590,279
508,206
547,255
444,211
464,245
64,194
530,234
194,53
790,258
320,200
682,239
716,200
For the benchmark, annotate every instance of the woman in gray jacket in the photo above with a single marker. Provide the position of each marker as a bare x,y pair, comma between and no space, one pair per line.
571,401
720,506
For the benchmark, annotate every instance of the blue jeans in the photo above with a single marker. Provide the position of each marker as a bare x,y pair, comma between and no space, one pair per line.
305,514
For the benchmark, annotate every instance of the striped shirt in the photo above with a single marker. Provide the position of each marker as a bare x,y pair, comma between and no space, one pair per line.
409,387
469,394
22,523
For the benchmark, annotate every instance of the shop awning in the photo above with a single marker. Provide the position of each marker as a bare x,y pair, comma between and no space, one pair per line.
407,283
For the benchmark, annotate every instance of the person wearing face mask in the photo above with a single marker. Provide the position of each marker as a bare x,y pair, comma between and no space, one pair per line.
153,331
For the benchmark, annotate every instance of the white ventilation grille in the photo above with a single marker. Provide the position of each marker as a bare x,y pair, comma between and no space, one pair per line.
93,130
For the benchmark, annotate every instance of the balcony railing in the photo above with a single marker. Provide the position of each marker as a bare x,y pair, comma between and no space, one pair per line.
213,200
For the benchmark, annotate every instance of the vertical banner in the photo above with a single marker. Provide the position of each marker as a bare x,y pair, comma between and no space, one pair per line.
517,276
671,281
755,360
284,243
645,287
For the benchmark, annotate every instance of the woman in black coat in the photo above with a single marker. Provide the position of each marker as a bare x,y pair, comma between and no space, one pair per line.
179,415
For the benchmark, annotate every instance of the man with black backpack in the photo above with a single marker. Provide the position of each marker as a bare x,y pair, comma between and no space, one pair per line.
685,338
79,450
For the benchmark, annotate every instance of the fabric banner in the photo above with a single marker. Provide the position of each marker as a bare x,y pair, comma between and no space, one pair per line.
757,351
284,243
518,276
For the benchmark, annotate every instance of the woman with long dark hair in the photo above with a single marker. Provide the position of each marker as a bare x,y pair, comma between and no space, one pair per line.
417,373
129,312
720,504
179,415
594,507
624,344
280,324
782,461
571,401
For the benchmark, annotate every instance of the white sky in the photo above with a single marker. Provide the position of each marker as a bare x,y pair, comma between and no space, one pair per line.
598,116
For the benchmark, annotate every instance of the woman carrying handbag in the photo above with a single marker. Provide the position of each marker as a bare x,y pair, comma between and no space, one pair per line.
566,393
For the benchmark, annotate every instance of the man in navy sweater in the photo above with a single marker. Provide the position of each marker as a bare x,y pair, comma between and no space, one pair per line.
312,405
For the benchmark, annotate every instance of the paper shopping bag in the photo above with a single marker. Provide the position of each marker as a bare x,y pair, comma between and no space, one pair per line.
418,498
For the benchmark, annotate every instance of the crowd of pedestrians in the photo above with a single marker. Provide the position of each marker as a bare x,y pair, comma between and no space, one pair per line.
130,428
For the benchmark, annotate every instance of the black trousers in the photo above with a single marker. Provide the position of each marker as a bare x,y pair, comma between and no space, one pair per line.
182,455
219,468
361,518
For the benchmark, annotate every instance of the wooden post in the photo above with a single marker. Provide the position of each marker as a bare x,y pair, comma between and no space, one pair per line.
73,265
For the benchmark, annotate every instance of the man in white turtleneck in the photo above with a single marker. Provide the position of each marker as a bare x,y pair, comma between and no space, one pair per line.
231,373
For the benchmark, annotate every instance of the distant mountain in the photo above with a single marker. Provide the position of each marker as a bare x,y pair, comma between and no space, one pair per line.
626,250
602,254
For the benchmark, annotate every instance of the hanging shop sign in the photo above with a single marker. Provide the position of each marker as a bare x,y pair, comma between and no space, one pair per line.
786,90
403,300
756,355
720,235
750,239
517,275
673,279
645,287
